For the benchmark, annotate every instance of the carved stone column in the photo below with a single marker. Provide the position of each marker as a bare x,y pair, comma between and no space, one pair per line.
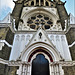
28,69
61,70
56,69
24,69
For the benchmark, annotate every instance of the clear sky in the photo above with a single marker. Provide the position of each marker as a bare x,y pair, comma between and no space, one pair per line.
7,6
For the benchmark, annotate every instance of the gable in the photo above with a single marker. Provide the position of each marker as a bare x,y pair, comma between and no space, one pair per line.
40,36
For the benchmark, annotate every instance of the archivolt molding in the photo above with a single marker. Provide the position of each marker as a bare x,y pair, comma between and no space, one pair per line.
34,56
37,10
40,45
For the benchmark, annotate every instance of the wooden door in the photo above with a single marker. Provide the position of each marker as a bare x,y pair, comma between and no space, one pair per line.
40,65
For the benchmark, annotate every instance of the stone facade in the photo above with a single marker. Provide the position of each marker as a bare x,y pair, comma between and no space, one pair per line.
70,70
33,28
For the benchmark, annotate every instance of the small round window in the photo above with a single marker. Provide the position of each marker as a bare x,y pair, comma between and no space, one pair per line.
38,20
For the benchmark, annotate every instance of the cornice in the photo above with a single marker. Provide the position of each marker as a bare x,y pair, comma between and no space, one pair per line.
71,26
18,63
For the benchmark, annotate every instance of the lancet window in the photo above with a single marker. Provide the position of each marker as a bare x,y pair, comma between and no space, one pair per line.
39,3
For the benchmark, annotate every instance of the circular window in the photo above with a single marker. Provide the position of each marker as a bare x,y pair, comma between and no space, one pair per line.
40,20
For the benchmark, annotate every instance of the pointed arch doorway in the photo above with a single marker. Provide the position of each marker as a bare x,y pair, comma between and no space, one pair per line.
40,65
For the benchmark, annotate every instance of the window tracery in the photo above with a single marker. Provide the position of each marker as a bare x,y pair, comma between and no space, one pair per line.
34,22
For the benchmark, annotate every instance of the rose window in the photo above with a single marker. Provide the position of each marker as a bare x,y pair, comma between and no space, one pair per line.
40,20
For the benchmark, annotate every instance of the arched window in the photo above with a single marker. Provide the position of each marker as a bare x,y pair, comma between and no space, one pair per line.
37,2
32,3
47,4
42,2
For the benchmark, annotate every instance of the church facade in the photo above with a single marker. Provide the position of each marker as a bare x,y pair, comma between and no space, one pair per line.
37,38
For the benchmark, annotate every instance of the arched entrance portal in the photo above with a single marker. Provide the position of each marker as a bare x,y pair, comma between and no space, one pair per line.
40,50
40,65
